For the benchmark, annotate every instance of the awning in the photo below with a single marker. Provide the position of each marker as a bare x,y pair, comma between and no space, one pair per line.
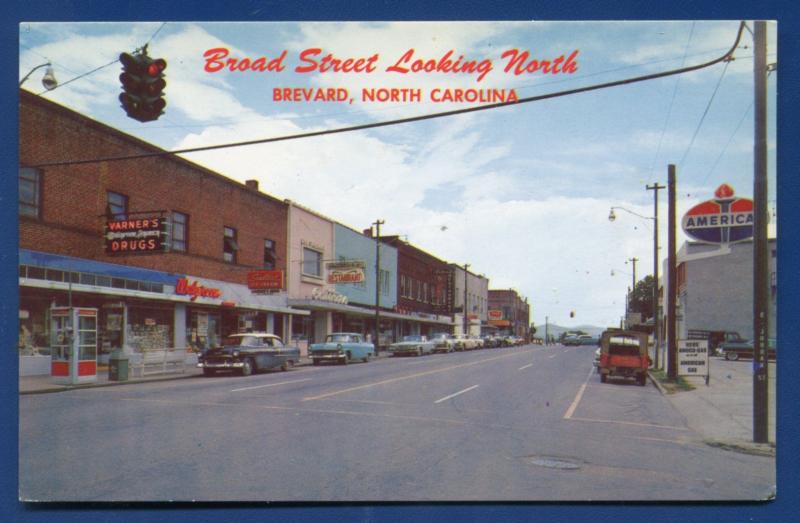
321,305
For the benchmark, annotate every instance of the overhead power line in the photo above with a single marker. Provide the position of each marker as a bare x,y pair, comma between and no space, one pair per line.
420,118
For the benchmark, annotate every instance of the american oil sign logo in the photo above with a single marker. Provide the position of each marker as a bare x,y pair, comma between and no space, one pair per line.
725,219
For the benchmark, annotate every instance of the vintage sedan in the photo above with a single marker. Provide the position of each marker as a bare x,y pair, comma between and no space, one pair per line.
443,342
413,344
341,347
248,353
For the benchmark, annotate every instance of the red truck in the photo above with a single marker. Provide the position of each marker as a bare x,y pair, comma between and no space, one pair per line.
623,353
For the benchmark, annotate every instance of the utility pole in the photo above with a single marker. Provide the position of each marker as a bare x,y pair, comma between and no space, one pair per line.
760,242
377,225
466,266
656,323
672,284
633,287
546,331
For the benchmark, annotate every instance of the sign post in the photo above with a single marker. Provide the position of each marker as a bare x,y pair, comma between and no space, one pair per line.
693,358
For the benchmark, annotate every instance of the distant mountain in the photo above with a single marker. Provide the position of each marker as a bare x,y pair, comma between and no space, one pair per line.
557,330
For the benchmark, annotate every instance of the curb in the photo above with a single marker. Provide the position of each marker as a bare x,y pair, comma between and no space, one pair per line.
658,385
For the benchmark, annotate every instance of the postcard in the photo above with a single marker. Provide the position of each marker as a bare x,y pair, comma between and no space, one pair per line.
397,262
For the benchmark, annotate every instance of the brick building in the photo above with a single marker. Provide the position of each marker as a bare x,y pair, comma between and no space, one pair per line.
185,288
509,312
422,290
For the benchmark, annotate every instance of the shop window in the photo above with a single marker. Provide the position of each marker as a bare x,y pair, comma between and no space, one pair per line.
149,328
230,247
179,235
312,263
117,206
104,281
30,192
36,273
87,279
118,283
270,257
55,275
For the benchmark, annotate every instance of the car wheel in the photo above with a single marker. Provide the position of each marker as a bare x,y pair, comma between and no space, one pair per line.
209,372
641,380
602,378
286,365
366,358
731,356
343,360
247,367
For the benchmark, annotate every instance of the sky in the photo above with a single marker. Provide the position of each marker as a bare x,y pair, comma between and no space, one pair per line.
521,193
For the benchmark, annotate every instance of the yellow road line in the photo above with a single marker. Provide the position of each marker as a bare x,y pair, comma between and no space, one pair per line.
574,405
410,376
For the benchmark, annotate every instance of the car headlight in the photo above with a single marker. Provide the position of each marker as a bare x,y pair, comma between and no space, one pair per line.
236,354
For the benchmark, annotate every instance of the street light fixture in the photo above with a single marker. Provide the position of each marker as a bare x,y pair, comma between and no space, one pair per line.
48,80
611,217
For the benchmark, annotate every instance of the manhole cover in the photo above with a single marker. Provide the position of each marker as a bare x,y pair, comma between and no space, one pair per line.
554,462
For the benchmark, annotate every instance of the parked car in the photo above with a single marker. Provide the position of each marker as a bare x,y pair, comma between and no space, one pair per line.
341,347
469,342
412,344
491,341
460,341
478,341
624,353
248,353
443,342
733,350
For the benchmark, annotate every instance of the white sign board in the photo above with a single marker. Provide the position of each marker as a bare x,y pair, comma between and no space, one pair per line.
693,357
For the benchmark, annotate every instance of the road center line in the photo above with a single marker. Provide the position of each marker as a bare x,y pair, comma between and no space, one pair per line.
574,405
410,376
456,394
526,366
270,385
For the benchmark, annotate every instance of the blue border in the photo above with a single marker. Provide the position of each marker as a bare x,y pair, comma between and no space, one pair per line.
250,10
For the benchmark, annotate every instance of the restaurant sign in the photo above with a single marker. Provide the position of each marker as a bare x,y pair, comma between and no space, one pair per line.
495,314
265,280
135,236
346,271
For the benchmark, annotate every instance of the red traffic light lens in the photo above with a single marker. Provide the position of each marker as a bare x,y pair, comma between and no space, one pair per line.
156,66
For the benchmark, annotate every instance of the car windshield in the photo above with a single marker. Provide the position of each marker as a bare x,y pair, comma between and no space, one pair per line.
244,341
340,338
412,338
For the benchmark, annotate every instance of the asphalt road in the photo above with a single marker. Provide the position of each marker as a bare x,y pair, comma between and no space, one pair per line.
524,423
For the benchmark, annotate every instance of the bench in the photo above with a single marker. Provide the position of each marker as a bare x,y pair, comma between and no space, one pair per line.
158,361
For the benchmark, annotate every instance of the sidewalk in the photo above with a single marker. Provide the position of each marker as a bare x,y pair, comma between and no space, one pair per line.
722,412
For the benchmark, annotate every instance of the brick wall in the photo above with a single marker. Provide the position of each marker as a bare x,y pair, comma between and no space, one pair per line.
74,197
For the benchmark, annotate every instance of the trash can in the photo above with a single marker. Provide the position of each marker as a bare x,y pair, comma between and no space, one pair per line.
118,366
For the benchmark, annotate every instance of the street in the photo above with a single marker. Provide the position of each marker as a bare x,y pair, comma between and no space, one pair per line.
520,423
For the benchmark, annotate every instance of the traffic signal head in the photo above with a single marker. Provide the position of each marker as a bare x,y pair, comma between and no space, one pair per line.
143,86
571,314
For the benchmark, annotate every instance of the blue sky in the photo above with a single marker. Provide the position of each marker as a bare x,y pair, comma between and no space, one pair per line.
521,193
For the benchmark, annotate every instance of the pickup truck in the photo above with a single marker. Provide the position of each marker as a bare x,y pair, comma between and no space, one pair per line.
623,353
738,347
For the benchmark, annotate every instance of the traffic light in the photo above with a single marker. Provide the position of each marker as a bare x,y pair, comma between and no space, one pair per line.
143,84
571,314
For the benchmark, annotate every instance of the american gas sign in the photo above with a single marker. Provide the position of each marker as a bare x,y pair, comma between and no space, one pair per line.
725,219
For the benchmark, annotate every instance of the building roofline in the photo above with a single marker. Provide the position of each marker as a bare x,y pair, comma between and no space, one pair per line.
31,98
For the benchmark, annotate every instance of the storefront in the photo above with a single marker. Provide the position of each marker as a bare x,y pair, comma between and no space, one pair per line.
139,309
